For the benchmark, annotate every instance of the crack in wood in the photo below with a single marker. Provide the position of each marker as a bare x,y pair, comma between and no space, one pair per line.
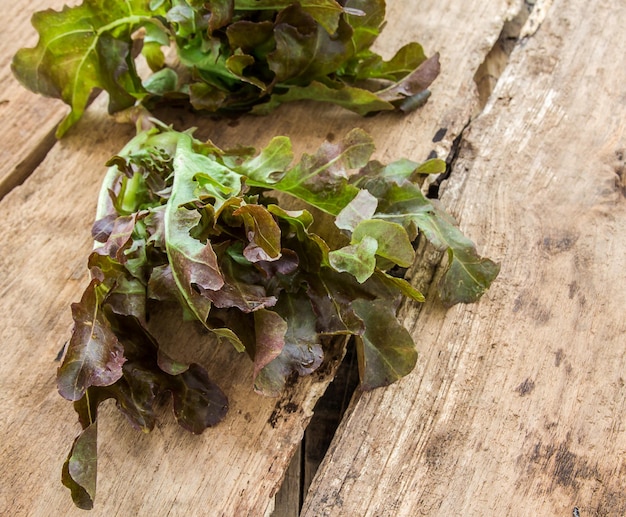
27,166
319,434
497,59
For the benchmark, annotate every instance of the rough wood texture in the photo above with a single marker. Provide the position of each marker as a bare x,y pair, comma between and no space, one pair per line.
517,406
28,122
236,468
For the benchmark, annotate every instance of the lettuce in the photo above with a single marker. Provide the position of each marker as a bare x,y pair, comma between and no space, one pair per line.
182,221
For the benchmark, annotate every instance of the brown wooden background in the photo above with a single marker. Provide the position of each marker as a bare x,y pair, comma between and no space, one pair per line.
517,404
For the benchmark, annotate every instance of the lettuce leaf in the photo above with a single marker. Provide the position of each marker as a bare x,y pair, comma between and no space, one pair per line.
232,55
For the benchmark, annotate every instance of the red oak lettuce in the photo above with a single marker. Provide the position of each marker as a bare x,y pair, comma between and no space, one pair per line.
182,221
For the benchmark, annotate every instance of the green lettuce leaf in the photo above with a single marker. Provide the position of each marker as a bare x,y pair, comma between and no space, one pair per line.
468,275
80,468
358,100
385,351
357,259
392,240
321,180
82,48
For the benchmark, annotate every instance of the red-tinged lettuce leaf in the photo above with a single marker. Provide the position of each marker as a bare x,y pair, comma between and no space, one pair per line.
154,224
198,402
385,351
357,259
301,352
250,36
270,329
94,355
243,288
231,55
304,50
286,265
102,228
325,12
136,395
162,286
392,240
83,48
413,84
331,294
79,472
104,268
194,267
311,249
238,63
262,231
221,13
128,298
120,237
358,100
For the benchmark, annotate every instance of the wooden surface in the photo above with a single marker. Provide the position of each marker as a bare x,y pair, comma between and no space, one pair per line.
236,468
517,405
28,122
519,397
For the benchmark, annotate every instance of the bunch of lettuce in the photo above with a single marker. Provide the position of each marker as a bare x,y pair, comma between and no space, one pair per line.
224,56
182,221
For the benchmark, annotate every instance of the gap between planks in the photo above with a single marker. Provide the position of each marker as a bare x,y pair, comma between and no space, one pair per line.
327,415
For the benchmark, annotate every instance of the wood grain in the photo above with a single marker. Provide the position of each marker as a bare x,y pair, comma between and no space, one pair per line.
28,121
517,405
235,468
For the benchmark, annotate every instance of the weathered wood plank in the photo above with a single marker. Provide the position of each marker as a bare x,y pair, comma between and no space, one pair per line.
28,121
236,468
517,406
